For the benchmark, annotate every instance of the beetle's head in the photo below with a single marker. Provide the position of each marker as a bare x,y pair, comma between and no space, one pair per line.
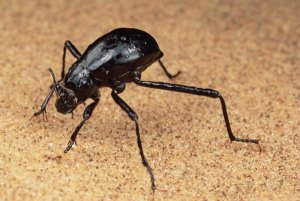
66,101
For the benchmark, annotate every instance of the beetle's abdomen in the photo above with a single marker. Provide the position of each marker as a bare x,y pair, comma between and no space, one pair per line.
124,49
130,43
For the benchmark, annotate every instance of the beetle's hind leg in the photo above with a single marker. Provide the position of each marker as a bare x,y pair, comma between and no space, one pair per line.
201,92
133,116
170,76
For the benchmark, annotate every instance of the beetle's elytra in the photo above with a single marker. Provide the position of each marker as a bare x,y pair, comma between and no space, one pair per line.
114,59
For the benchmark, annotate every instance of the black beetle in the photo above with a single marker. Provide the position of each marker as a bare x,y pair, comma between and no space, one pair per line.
114,59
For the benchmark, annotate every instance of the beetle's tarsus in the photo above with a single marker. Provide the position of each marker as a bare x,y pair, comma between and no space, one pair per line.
173,76
153,187
170,76
254,141
69,146
246,140
43,112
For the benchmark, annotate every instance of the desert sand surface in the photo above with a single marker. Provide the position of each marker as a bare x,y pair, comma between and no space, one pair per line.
247,50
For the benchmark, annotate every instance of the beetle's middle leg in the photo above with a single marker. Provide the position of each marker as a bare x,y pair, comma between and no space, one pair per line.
133,116
170,76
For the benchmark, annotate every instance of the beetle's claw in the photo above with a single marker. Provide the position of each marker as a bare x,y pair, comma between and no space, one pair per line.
44,115
37,113
43,112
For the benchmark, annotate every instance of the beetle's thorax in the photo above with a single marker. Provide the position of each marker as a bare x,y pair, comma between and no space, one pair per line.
79,80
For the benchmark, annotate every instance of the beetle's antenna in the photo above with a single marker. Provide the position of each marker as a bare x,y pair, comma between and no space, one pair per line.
54,80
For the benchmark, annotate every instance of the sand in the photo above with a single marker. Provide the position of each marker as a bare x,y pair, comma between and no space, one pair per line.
247,50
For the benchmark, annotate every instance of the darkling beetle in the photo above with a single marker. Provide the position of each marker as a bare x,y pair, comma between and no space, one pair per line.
117,58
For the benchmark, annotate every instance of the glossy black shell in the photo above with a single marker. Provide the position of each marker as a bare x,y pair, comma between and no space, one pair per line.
114,57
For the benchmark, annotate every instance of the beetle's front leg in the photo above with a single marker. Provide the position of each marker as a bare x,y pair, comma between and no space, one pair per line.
74,51
86,115
46,101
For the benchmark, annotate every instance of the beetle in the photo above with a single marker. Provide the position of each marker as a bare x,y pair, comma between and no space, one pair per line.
114,59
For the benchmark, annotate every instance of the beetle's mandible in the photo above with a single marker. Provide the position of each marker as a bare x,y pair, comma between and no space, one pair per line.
114,59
